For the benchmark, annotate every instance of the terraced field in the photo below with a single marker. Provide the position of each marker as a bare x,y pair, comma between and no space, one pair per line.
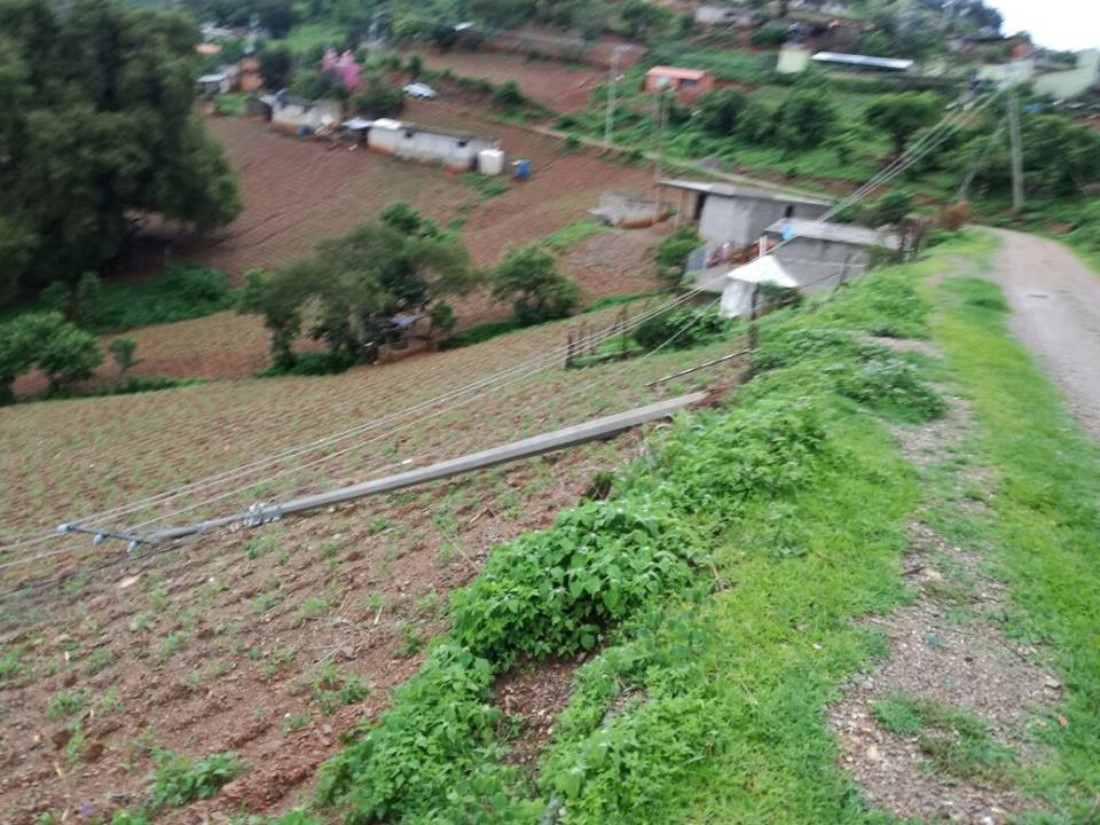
270,642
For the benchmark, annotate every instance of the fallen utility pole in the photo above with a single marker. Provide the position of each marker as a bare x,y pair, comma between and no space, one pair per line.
527,448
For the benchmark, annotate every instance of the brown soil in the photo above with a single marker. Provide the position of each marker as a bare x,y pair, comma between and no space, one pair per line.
563,88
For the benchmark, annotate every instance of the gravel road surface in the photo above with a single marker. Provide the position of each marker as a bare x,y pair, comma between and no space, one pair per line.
1055,300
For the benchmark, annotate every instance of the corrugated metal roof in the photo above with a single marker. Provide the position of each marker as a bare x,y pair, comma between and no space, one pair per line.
833,232
865,61
679,74
729,190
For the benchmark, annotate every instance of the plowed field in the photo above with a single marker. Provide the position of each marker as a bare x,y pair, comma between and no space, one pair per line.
273,642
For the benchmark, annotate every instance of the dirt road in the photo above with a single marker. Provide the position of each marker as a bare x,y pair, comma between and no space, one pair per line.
1055,300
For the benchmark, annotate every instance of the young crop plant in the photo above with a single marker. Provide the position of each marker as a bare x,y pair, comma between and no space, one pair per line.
180,780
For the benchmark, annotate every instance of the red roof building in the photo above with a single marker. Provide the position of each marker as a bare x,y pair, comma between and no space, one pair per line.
688,84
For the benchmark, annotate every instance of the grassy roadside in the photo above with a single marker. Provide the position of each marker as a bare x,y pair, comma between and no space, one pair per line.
1043,533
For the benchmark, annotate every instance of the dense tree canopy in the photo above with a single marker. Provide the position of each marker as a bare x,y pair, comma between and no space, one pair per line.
97,130
345,294
902,116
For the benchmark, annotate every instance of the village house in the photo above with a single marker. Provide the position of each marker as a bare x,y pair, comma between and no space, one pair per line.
688,84
300,117
1047,77
461,151
734,215
819,255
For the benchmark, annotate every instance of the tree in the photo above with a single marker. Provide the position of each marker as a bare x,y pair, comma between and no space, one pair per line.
62,351
98,126
277,16
804,120
528,277
641,15
720,111
903,115
672,254
379,99
88,300
893,207
275,67
352,286
122,350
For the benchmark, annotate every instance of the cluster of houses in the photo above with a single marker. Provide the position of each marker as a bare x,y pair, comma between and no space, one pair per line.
455,150
739,225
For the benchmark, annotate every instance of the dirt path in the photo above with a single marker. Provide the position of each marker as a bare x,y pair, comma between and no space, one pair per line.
1055,299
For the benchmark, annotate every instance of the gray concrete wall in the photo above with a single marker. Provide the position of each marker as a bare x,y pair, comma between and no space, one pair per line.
818,264
743,220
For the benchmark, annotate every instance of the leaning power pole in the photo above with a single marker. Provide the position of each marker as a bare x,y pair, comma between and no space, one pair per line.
1017,152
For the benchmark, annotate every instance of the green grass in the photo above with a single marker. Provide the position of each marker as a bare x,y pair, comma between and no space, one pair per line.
1047,519
184,292
570,237
307,36
957,743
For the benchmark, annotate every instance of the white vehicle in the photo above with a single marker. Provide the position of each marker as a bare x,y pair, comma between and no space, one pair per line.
421,91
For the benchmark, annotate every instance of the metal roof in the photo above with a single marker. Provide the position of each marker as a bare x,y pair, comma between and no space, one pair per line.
678,74
863,60
832,232
729,190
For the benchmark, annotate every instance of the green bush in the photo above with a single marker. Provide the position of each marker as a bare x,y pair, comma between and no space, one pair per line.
181,780
433,746
769,449
555,592
681,329
892,386
672,254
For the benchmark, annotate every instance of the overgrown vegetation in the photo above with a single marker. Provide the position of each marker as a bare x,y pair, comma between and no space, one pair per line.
180,780
717,583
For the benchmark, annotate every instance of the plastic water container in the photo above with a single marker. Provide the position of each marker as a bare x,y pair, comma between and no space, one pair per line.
521,169
490,161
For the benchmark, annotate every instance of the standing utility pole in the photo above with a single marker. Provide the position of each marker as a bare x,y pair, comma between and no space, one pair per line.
609,117
1017,153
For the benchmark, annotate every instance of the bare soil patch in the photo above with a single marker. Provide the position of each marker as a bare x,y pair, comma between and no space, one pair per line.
558,86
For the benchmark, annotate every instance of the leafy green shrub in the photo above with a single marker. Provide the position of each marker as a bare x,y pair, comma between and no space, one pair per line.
786,347
250,297
528,277
673,253
681,329
434,745
769,449
181,780
122,350
554,592
892,386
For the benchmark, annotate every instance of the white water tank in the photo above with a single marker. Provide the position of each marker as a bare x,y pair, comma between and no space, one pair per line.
490,161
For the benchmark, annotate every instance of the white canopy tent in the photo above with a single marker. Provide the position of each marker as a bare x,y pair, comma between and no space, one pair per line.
743,281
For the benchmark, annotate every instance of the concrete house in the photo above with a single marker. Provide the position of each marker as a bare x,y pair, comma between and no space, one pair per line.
1082,78
819,255
455,150
297,117
729,214
688,84
716,15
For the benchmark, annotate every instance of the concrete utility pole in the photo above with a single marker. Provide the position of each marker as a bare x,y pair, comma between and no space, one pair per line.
613,78
1017,153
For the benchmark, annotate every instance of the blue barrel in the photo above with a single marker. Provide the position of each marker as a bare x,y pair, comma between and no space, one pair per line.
523,169
303,131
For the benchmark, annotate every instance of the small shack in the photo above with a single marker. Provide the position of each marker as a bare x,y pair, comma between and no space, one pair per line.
710,14
455,150
688,84
731,214
210,85
820,255
743,283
